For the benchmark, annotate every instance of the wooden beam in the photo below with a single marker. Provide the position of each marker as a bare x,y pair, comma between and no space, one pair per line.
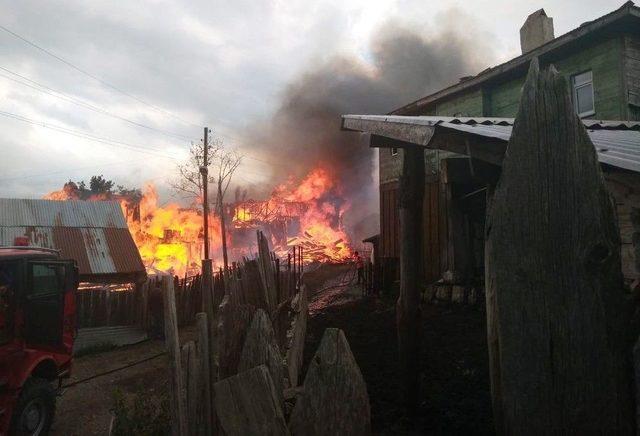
416,134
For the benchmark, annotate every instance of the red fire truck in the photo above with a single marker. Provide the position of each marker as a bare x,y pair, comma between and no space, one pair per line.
37,329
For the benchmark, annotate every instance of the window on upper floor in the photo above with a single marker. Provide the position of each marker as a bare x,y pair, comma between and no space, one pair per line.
583,93
394,152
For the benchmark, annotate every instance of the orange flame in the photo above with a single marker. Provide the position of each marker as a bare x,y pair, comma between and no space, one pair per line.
306,213
313,204
169,238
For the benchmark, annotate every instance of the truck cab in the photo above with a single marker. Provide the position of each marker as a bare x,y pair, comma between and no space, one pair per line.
37,330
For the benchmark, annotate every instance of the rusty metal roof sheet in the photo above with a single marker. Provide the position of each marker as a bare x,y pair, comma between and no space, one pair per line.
94,233
28,212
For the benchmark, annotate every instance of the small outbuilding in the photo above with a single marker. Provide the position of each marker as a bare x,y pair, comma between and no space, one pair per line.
111,300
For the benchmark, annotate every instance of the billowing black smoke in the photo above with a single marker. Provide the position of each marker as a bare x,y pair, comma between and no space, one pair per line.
305,130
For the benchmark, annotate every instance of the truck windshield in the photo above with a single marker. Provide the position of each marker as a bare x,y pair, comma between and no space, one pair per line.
8,288
47,279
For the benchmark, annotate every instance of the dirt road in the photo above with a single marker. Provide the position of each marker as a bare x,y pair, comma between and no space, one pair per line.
84,409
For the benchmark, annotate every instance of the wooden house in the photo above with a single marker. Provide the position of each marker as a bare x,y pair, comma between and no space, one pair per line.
464,130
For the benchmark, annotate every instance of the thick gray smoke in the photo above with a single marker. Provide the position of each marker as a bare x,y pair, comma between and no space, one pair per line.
305,131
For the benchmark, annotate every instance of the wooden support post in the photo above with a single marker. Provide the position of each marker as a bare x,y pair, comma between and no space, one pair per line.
172,346
204,354
289,292
556,313
408,305
209,308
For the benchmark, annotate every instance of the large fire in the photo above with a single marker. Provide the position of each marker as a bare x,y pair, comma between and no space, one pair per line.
170,237
305,213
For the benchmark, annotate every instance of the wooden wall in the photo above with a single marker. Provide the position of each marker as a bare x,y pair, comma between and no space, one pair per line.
435,224
625,188
435,227
389,220
631,64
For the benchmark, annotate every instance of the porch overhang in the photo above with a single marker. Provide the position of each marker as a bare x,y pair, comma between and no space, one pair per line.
617,142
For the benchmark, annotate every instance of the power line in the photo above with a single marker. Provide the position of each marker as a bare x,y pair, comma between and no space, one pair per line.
65,171
103,82
66,97
86,135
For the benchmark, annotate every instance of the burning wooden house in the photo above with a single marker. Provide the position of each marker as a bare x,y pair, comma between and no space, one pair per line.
307,214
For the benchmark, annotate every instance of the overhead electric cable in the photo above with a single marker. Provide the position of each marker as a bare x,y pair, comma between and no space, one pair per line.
86,135
103,82
65,171
67,97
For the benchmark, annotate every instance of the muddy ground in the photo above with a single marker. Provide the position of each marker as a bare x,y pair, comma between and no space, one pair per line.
455,390
455,381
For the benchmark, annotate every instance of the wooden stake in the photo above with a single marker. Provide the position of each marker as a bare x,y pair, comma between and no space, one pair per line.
204,354
172,345
191,377
556,311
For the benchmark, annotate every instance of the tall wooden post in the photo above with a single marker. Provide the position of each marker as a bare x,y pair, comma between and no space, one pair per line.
408,305
208,300
223,228
204,170
172,345
556,316
204,354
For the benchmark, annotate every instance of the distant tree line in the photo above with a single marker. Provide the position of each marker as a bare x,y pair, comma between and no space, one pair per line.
101,188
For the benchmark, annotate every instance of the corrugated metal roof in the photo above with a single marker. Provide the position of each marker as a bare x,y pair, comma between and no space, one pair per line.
617,142
619,148
23,212
428,120
94,233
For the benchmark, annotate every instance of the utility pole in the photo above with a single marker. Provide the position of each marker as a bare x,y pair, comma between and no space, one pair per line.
204,170
222,226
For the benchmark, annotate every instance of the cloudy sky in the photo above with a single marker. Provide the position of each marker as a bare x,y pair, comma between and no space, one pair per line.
162,69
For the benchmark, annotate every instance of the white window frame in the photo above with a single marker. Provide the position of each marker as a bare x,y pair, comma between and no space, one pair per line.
394,151
574,93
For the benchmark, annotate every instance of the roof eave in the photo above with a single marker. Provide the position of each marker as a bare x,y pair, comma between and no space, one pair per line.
628,9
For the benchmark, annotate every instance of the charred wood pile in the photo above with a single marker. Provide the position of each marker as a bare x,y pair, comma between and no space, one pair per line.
243,375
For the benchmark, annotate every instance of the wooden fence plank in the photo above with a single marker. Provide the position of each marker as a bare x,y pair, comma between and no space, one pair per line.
556,310
172,345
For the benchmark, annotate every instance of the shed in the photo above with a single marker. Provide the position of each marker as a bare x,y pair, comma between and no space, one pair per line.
94,233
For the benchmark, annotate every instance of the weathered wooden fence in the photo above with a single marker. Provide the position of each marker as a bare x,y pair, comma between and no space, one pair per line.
108,306
246,364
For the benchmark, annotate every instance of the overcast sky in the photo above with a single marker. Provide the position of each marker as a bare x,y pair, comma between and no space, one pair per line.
186,64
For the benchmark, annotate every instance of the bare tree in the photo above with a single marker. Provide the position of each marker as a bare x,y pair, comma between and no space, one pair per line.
189,180
225,162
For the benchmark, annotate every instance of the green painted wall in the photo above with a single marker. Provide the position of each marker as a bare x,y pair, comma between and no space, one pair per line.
466,105
504,98
605,60
602,58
